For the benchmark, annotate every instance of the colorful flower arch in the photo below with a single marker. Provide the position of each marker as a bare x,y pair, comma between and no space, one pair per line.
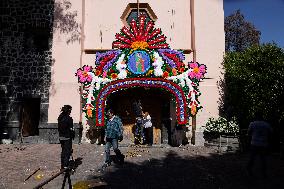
141,58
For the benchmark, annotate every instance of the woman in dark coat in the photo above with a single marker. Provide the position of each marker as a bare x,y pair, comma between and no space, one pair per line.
66,134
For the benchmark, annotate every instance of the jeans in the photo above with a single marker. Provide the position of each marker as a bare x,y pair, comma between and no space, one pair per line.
114,143
262,153
139,131
66,146
149,135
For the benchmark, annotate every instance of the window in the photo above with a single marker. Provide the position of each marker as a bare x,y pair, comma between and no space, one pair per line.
133,15
130,12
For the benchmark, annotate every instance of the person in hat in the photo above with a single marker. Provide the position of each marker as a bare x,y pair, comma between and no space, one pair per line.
113,135
66,134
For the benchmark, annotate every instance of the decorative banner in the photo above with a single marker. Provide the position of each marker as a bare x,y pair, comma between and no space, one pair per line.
141,58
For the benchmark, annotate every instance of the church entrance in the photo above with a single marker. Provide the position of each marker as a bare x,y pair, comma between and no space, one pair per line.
142,66
158,103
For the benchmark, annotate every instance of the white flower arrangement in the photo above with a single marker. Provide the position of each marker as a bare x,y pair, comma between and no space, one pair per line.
158,63
121,67
184,80
222,125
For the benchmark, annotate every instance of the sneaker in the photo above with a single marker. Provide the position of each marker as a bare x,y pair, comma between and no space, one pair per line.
105,165
121,159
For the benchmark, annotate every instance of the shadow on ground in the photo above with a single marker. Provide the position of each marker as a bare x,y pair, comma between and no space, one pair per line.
215,171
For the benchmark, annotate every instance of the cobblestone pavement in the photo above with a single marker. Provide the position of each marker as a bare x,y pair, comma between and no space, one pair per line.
145,167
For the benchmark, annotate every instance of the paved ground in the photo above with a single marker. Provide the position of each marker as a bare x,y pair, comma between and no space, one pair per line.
183,167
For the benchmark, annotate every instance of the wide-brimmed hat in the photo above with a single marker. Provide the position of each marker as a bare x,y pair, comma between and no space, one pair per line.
66,108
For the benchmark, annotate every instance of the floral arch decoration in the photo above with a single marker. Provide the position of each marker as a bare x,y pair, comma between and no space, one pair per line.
141,58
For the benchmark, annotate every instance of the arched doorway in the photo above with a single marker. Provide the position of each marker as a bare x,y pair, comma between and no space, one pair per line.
159,103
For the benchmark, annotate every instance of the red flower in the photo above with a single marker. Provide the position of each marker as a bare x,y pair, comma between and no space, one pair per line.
98,72
114,75
168,69
140,35
181,70
165,74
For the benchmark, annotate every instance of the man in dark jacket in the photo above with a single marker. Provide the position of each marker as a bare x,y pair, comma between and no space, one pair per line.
260,132
113,134
139,130
66,134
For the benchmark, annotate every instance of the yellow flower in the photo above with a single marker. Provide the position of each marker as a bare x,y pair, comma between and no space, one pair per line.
174,71
149,72
85,74
196,70
139,45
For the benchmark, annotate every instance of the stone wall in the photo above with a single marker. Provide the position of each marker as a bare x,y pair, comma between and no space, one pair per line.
25,58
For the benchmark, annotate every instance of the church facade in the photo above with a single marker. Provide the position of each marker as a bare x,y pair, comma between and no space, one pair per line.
84,31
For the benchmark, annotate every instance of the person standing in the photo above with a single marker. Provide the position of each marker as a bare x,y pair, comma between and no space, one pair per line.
66,134
139,133
147,124
260,131
113,135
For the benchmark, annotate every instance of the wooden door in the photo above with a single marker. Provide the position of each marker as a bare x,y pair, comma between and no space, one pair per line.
30,113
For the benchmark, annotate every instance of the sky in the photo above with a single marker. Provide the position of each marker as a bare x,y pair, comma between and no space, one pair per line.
266,15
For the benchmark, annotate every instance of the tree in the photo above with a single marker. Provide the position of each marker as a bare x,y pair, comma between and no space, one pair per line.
239,34
254,82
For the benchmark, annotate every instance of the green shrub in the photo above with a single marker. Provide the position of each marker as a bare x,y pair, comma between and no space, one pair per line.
222,126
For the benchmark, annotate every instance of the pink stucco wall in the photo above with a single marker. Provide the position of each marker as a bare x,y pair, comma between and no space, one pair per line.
210,48
64,85
102,21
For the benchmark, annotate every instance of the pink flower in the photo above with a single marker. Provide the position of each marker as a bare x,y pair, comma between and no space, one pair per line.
83,74
198,70
87,68
104,74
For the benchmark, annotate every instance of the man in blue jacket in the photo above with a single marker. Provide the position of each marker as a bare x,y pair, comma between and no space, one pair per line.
113,134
